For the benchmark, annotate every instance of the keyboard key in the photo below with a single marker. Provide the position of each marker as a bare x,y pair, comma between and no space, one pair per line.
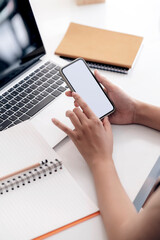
22,81
44,94
45,70
9,112
4,116
18,114
12,102
26,78
53,72
16,122
14,93
30,81
11,125
24,85
3,101
49,90
59,82
20,104
23,94
24,117
39,97
57,68
56,93
33,86
51,81
2,110
40,88
4,94
32,74
12,118
14,108
9,97
37,70
54,86
62,89
55,77
38,82
35,78
25,100
47,63
28,105
44,79
19,89
48,75
10,90
30,96
51,66
24,109
35,92
39,106
28,90
18,98
40,74
34,101
7,106
43,66
45,85
5,124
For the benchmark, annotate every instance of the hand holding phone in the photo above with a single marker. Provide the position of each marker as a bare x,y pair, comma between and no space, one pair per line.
80,79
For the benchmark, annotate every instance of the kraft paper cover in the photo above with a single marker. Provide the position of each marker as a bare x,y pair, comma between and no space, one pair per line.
99,45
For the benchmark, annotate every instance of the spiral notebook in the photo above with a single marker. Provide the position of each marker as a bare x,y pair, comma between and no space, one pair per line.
38,196
101,48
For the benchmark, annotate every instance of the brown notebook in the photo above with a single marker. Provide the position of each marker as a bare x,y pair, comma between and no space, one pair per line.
99,46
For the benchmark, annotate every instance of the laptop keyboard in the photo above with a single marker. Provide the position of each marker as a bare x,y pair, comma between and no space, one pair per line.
30,95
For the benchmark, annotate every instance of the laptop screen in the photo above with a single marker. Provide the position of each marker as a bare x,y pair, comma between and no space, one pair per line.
20,41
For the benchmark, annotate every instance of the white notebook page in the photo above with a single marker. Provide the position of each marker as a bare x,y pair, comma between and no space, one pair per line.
21,146
42,206
45,204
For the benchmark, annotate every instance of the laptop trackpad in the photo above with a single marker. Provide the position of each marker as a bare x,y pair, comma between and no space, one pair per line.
42,121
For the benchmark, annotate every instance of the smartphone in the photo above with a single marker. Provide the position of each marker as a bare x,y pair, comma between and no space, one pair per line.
80,79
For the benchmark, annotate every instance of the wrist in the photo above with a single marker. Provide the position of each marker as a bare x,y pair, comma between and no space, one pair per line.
138,113
98,164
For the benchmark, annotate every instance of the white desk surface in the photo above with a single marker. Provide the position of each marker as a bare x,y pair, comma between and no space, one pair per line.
136,148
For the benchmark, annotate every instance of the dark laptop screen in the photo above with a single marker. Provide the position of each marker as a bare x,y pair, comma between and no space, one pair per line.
20,41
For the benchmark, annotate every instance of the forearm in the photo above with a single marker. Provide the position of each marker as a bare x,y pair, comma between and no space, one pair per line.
115,206
147,115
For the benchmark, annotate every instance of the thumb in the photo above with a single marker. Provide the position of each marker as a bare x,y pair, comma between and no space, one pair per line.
107,84
106,123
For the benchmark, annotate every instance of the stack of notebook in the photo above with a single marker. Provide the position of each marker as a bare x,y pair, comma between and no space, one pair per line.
102,49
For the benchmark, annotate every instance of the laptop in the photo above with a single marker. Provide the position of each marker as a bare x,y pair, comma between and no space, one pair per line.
31,87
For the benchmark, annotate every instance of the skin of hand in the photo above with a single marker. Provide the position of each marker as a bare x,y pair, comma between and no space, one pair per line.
92,137
125,106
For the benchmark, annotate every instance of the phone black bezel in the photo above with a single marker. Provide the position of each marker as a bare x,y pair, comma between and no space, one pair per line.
72,89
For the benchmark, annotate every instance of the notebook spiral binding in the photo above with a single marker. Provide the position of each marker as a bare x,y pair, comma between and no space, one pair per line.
26,177
101,66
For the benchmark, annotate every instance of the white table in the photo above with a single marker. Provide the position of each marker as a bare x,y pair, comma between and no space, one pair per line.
136,148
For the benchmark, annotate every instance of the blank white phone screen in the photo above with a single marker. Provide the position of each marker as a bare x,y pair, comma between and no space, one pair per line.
86,86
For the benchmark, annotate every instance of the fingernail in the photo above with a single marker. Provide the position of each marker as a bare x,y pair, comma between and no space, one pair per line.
74,94
53,120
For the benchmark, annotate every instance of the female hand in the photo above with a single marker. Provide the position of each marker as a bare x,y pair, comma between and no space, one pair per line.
125,106
92,137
